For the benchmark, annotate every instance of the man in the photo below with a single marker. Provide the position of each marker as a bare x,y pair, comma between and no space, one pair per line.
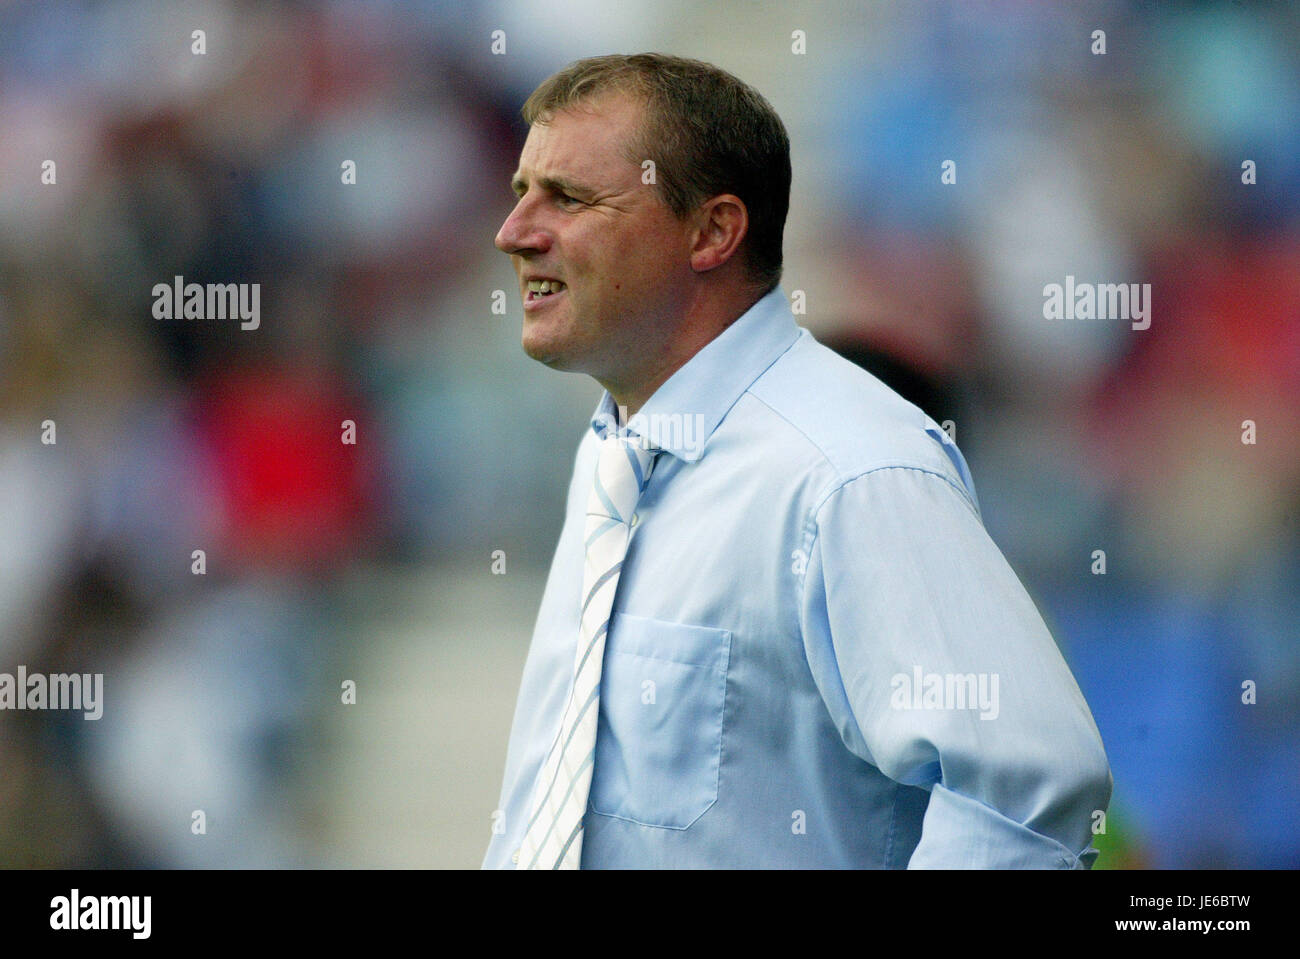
775,632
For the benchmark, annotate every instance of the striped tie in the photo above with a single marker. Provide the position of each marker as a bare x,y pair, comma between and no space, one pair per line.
553,839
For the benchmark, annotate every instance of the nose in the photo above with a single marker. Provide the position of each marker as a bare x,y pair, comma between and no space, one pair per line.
520,233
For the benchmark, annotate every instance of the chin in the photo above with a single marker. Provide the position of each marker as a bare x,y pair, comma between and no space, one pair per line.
548,354
562,357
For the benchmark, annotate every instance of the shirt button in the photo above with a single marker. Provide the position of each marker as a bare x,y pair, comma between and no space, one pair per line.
636,518
515,857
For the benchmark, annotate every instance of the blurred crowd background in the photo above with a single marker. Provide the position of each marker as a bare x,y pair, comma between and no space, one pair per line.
373,562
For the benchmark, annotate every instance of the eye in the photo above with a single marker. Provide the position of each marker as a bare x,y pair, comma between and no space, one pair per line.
565,200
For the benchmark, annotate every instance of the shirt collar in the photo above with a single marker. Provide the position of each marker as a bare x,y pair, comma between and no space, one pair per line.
683,413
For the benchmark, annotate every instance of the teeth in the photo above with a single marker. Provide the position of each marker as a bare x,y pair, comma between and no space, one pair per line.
545,286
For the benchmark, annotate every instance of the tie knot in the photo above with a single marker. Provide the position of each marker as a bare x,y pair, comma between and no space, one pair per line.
622,472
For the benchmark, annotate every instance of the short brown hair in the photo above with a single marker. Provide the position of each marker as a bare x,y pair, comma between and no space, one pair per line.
708,133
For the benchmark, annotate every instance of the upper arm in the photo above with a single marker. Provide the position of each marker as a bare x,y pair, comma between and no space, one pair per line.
910,612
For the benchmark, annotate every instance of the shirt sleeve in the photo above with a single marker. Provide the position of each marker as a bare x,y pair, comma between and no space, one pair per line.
938,669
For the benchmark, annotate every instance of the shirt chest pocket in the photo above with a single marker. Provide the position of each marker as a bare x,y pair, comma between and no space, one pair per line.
659,735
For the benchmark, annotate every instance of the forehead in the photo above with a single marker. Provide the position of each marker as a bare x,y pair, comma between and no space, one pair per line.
586,142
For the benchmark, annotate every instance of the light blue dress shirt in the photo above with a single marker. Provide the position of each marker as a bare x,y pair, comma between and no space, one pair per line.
818,657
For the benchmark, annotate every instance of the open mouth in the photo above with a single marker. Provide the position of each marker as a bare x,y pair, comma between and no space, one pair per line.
539,290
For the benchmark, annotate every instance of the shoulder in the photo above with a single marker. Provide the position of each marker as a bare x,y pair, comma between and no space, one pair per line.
842,419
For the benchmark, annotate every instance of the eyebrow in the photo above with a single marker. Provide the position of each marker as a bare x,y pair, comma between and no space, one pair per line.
555,184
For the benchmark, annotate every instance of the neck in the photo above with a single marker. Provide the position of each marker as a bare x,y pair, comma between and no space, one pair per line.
707,314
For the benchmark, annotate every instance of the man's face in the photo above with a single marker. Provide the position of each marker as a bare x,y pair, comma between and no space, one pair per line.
585,219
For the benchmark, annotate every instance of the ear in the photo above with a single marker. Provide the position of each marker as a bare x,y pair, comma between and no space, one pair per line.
721,224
